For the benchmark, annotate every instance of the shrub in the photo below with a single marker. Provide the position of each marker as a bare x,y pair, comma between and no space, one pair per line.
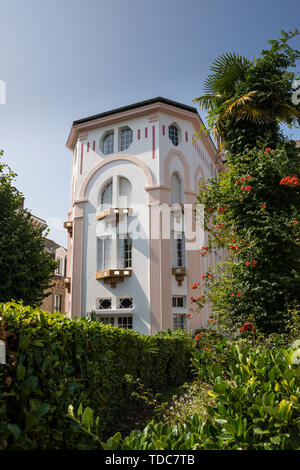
256,408
53,361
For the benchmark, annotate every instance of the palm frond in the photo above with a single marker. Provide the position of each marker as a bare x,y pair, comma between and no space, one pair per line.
227,70
208,101
240,101
286,113
254,114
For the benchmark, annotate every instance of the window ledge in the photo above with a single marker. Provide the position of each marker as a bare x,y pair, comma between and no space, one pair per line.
114,213
179,274
113,276
69,226
115,311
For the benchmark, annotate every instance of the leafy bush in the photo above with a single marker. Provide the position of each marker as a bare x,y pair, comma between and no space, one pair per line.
53,361
257,407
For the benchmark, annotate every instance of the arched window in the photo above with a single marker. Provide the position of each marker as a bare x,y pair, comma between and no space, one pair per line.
124,192
108,143
175,189
174,134
106,196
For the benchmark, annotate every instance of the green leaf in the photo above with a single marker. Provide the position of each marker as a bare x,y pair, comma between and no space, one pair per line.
15,430
88,418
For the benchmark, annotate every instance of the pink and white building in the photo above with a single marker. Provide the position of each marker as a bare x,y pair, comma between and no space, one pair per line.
133,241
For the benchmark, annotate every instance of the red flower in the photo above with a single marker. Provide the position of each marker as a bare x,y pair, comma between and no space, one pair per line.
247,326
267,150
194,286
188,315
239,294
254,262
232,295
220,209
247,263
291,181
295,222
198,336
205,348
263,206
204,276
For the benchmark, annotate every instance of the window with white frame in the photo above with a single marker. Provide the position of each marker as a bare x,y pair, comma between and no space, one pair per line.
175,189
106,196
119,321
125,191
57,303
174,134
125,302
104,303
108,143
125,251
126,137
59,268
178,301
105,254
125,322
178,322
178,250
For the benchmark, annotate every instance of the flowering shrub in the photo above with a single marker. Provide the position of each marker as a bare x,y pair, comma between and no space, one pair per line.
291,181
260,231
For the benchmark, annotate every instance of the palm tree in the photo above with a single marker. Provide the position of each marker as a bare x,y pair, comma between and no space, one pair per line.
248,99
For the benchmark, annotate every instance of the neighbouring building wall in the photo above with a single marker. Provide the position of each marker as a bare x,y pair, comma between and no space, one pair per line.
55,301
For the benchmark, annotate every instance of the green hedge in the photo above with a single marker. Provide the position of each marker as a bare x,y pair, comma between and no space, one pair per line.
53,361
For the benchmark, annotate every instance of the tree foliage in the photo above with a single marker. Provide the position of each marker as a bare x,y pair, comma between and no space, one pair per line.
252,211
26,269
247,99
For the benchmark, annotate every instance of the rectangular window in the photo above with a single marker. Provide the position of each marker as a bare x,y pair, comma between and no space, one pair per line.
125,322
104,247
125,252
57,303
179,301
125,302
104,304
178,250
178,322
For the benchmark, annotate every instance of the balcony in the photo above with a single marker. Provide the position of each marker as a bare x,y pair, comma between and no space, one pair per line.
69,226
67,282
113,276
179,274
114,214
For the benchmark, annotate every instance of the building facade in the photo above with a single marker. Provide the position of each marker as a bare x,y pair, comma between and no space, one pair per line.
56,299
133,238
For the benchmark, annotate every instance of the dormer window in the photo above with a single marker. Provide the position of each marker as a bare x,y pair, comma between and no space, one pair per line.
126,138
108,143
174,134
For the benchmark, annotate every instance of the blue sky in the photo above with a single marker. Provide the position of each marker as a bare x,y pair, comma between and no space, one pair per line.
63,60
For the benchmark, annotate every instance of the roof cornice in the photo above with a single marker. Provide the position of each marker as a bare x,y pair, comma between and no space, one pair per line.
154,106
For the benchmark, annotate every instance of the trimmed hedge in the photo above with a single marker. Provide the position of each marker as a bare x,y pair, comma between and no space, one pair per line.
53,361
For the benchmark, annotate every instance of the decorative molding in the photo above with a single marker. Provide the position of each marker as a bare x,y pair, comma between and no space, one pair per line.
116,158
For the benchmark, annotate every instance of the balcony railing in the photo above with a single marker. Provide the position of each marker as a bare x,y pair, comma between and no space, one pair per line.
113,276
179,274
114,214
